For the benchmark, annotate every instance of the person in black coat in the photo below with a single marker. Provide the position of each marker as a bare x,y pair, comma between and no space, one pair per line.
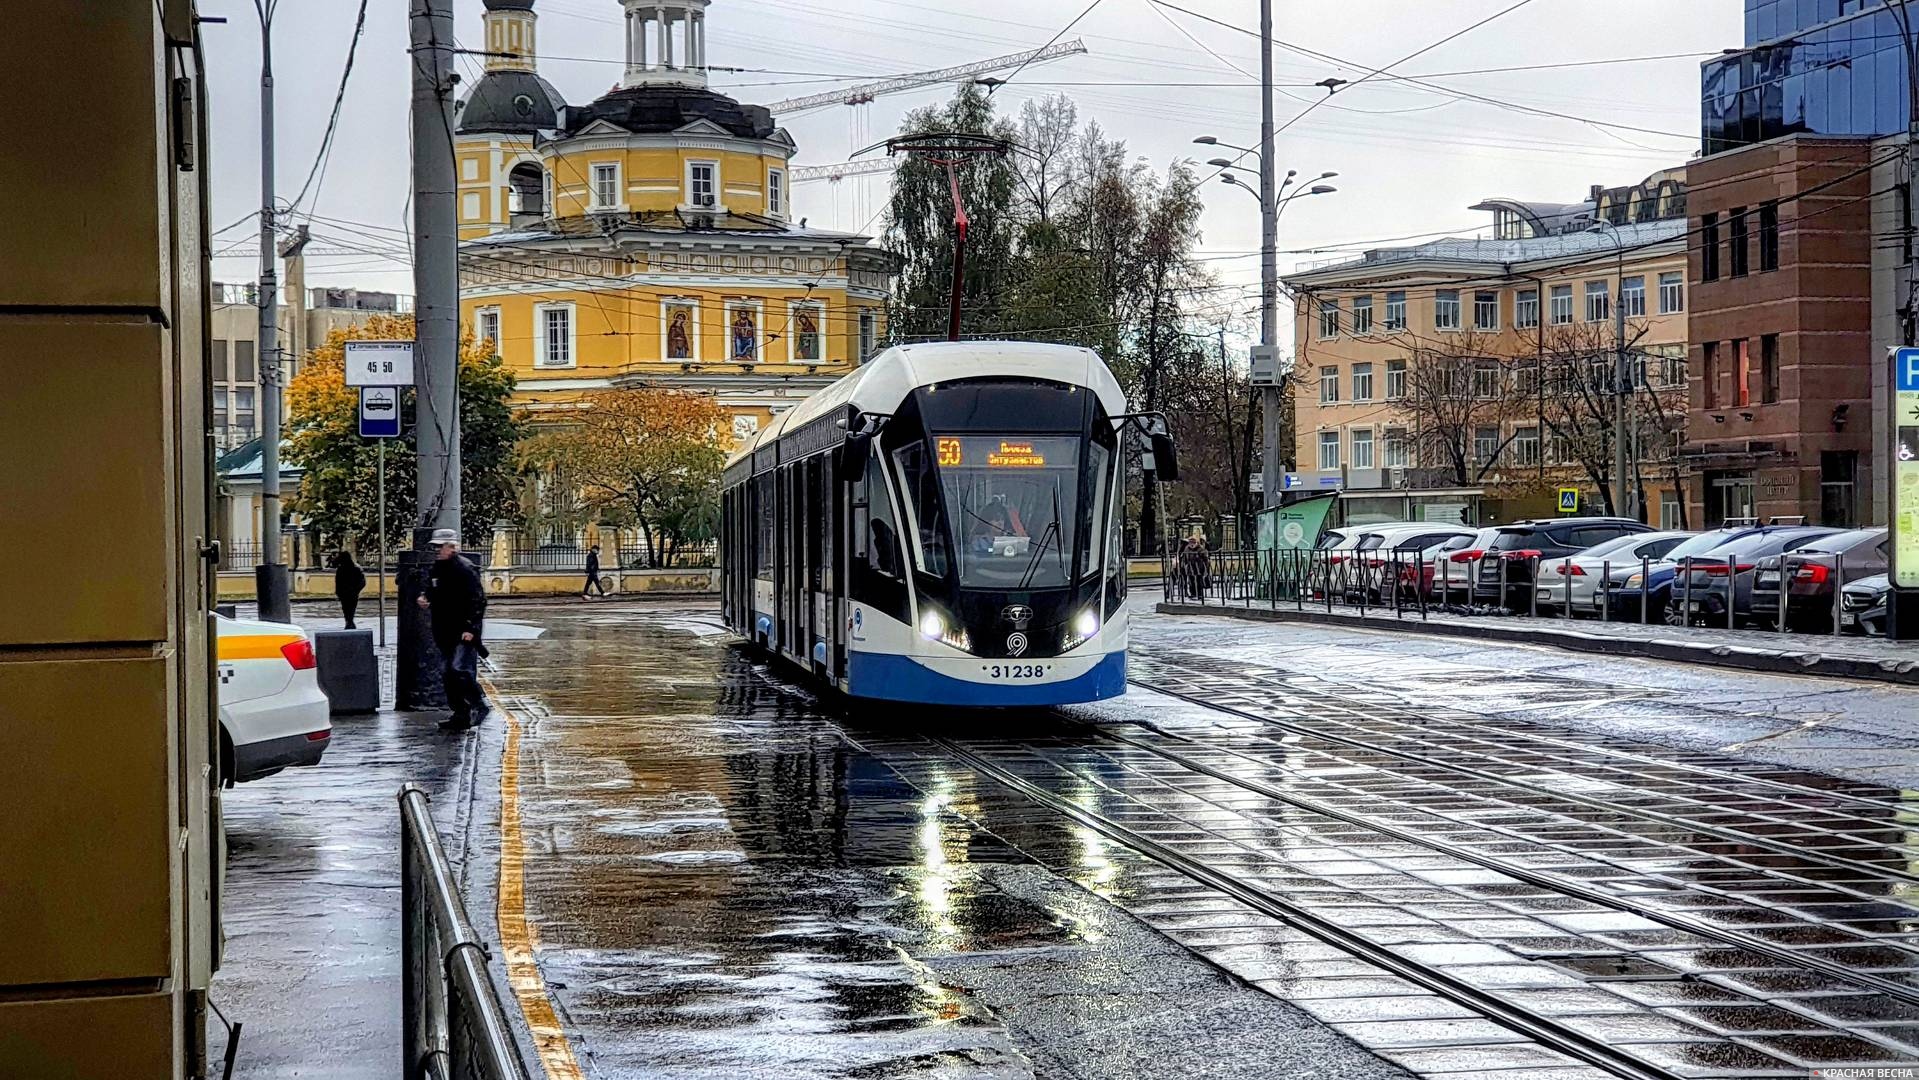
592,573
349,581
456,598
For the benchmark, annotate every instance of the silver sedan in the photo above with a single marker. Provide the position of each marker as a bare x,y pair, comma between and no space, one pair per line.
1584,570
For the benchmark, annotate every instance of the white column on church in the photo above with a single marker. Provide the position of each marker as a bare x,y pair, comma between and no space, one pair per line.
666,56
632,55
696,43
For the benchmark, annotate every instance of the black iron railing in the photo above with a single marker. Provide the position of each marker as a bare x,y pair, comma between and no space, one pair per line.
452,1027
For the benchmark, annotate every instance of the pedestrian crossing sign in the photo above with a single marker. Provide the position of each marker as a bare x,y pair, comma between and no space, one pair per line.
1569,500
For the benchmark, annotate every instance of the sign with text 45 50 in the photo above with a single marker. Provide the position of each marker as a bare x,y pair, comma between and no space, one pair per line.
379,363
1905,468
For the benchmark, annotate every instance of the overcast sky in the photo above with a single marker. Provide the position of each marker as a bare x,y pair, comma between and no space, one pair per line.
1410,159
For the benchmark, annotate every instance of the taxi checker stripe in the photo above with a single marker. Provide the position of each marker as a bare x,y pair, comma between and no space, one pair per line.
254,646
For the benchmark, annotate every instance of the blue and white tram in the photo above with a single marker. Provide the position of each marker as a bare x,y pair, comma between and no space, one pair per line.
943,525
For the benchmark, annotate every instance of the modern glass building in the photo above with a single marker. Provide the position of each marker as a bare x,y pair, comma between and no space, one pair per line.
1825,67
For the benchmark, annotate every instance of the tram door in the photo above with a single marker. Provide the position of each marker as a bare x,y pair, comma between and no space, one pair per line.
813,620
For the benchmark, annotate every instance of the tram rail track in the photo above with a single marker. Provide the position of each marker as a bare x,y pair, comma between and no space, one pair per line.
1554,882
1731,836
1543,1030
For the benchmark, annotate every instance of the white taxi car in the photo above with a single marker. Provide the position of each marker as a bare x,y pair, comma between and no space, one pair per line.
272,711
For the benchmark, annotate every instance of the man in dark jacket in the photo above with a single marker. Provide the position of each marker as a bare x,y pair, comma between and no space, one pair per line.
457,601
593,573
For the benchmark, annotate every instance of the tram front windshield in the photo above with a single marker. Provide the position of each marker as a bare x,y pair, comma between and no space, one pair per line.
1013,503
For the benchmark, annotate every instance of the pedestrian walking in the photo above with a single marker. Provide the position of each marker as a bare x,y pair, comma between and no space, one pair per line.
457,602
593,573
1195,566
349,581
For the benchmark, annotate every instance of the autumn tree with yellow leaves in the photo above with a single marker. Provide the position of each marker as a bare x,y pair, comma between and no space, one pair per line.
339,493
646,455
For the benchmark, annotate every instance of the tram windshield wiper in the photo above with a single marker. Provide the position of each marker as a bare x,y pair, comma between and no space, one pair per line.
1046,537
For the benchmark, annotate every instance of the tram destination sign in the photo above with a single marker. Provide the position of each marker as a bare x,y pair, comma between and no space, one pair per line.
1905,468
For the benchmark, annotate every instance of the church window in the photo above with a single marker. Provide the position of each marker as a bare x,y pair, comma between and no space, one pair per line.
606,186
776,192
702,183
556,335
488,329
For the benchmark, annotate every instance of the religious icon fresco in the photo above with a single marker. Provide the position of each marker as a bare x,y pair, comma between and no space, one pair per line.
679,332
745,334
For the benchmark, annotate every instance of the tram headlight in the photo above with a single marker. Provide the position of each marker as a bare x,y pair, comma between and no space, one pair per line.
1083,626
932,625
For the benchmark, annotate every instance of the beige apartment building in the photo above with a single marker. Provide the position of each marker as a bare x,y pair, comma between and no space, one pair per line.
1471,379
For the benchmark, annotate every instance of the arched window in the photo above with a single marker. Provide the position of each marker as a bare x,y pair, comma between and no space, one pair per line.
528,184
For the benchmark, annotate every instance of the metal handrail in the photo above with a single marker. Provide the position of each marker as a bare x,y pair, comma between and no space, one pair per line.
452,1026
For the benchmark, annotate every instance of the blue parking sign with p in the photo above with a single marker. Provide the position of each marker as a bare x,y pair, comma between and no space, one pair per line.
1905,371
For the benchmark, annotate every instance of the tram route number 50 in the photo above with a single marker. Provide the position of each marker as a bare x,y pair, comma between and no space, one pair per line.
379,363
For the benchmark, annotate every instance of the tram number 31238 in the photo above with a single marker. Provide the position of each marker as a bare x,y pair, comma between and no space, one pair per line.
1015,671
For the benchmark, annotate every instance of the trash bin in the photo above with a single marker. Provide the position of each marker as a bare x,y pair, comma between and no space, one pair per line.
348,669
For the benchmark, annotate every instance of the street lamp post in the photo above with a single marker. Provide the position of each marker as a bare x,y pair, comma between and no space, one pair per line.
1622,378
1271,205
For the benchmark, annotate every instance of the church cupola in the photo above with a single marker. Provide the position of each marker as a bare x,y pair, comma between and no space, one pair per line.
665,43
509,35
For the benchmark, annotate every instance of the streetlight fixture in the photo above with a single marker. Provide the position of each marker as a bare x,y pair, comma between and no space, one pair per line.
1273,198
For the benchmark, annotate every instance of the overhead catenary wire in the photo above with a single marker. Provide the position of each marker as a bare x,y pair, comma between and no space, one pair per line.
318,171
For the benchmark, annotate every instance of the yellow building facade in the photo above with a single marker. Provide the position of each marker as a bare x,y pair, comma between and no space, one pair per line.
1550,281
649,237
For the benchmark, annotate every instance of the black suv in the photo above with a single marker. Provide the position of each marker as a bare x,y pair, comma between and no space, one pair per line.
1519,547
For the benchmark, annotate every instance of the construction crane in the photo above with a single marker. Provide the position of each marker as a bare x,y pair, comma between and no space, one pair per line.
866,92
800,174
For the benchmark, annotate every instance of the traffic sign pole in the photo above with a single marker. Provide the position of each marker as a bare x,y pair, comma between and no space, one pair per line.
1902,504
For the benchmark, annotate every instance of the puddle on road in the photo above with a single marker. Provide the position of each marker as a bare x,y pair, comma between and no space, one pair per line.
722,886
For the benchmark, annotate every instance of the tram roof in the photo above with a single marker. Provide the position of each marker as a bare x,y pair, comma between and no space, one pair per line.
882,383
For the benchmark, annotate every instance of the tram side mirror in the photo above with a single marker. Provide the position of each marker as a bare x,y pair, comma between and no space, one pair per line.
853,455
1165,459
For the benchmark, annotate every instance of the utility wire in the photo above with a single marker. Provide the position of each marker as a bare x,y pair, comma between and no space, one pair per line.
1088,10
333,122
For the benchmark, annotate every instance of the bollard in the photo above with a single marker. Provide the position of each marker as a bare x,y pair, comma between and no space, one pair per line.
1685,607
1785,590
1445,580
1732,588
1645,590
1501,602
1605,575
1838,590
1419,582
1326,584
1566,571
1398,570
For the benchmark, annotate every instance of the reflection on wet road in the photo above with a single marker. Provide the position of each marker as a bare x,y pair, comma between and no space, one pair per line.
727,878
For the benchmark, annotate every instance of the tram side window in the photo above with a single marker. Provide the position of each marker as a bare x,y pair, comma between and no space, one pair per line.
1096,461
882,530
763,551
1116,533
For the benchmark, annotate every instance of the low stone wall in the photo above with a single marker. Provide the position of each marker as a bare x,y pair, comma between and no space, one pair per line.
318,584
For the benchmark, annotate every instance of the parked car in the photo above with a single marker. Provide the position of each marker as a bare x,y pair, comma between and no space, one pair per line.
1863,605
1381,548
1716,588
1584,571
1505,576
1652,585
273,713
1815,573
1454,563
1336,548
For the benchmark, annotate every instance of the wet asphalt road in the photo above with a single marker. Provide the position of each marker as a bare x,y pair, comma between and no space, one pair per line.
1295,851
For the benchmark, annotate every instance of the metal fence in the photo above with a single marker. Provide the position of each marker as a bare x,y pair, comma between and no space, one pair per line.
1408,585
554,558
452,1026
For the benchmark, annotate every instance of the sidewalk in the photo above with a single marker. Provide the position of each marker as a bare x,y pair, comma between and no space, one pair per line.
1753,650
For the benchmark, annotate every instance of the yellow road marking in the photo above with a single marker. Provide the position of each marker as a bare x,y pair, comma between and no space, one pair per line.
517,937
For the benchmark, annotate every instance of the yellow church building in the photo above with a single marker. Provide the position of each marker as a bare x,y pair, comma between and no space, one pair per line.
649,237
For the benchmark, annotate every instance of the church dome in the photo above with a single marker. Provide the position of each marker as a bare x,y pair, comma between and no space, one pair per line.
509,5
659,109
511,101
